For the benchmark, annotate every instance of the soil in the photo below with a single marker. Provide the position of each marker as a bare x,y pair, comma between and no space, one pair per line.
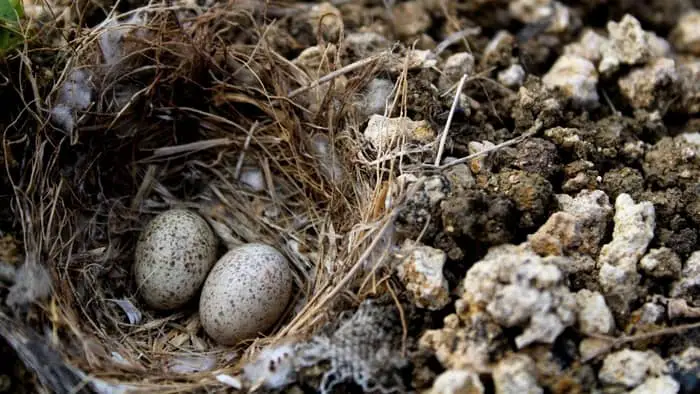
507,215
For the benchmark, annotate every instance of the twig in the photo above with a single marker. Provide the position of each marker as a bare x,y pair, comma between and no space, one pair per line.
454,37
330,76
529,133
246,144
640,337
455,102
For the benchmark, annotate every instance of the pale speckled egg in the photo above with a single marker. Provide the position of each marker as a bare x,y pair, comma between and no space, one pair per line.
245,293
174,254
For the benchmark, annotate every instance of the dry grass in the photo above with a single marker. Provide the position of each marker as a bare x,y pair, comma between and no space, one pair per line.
189,105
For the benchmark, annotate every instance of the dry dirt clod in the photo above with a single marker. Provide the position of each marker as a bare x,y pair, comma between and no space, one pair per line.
686,35
513,76
326,21
531,11
410,19
588,46
499,50
673,161
577,78
630,368
623,180
593,211
531,193
520,289
652,88
618,276
594,316
661,263
628,44
420,269
375,99
516,375
688,287
457,381
455,66
383,132
658,385
685,367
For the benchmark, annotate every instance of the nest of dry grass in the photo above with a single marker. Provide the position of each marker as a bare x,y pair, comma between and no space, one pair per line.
182,103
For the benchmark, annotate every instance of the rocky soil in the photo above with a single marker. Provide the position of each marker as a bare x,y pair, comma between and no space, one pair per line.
566,261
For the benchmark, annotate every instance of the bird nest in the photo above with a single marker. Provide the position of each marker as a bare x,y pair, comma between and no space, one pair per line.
175,106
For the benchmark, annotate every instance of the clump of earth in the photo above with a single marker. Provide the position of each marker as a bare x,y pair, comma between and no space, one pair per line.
524,266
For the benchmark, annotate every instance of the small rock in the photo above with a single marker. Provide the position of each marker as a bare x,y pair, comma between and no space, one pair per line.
456,66
520,289
623,180
413,60
631,367
411,19
365,44
679,308
690,88
688,287
562,20
383,132
685,368
653,87
468,340
499,50
576,78
420,270
459,176
686,35
375,98
594,316
423,205
673,162
327,20
558,236
531,11
480,215
634,229
482,163
593,211
661,263
592,347
531,193
662,385
588,46
628,44
516,375
512,76
457,381
649,314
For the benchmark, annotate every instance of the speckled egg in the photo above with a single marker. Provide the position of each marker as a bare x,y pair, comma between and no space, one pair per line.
245,293
173,257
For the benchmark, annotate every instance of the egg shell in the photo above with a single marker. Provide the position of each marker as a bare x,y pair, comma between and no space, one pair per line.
245,293
174,254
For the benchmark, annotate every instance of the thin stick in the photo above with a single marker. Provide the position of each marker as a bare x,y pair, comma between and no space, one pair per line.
330,76
455,102
246,144
529,133
627,339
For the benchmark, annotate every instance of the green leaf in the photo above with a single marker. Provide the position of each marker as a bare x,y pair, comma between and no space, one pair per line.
10,13
11,10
